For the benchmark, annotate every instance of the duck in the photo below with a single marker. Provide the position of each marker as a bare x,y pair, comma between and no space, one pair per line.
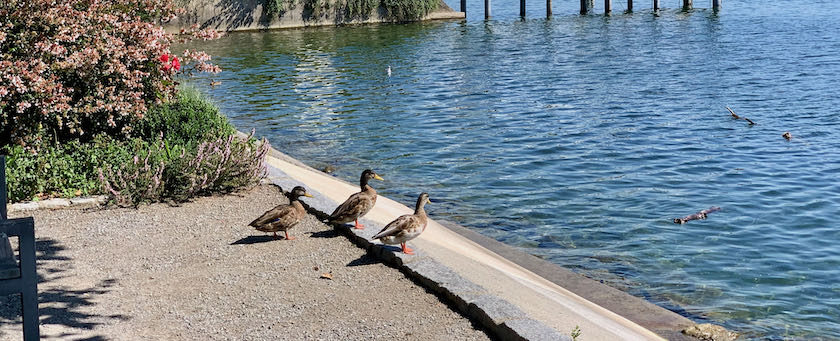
283,217
406,227
358,204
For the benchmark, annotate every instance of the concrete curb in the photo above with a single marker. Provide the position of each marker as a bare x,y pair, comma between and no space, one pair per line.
503,319
58,203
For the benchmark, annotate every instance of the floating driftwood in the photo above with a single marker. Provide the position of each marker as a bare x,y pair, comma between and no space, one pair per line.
696,216
739,117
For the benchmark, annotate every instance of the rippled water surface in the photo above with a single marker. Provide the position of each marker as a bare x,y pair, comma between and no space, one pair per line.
579,139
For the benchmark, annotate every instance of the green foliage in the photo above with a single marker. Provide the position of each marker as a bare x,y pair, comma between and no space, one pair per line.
360,8
408,10
181,149
277,7
398,10
187,121
316,8
575,333
65,170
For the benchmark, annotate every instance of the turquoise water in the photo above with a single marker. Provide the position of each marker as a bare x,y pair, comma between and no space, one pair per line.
579,139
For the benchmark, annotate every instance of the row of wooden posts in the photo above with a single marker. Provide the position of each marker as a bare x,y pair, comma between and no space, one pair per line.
586,6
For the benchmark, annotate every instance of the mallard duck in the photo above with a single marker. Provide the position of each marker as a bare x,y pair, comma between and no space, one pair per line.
358,204
406,227
283,217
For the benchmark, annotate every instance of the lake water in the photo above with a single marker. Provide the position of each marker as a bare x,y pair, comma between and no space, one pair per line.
579,139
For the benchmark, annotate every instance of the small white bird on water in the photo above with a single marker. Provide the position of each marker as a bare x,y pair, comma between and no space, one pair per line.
389,70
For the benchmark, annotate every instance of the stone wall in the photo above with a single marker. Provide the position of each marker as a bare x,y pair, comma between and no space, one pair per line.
245,15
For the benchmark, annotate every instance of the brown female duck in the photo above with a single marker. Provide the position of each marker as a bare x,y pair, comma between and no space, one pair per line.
358,204
406,227
283,217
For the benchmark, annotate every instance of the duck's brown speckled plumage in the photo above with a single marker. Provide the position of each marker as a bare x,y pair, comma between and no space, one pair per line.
282,217
358,204
406,227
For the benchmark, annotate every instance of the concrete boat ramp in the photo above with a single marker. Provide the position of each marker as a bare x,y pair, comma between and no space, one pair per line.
515,295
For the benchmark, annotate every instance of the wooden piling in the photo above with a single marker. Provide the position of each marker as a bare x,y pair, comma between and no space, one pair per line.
715,5
522,8
548,8
607,7
687,5
586,6
656,5
629,6
486,9
464,6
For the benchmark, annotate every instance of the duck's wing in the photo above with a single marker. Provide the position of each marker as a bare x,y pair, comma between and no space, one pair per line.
287,221
399,225
273,214
355,206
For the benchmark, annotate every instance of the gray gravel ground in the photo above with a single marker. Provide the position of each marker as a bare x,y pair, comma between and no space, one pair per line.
198,272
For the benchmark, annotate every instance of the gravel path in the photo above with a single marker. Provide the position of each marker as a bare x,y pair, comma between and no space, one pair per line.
198,272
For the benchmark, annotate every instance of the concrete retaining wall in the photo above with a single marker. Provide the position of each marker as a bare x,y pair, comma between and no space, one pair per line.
246,15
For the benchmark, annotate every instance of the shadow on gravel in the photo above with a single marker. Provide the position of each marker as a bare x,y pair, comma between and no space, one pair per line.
326,234
256,240
365,259
58,305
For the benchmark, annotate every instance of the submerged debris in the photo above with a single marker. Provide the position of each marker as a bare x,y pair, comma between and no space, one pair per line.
696,216
710,332
734,115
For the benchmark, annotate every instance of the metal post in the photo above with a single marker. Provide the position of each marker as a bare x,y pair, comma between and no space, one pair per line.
656,5
548,8
585,6
629,5
607,7
486,9
715,5
522,8
687,5
3,196
464,6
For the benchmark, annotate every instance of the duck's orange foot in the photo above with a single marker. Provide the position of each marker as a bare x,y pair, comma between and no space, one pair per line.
359,226
288,237
407,250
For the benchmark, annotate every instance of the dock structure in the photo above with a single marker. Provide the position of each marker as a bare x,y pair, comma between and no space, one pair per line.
587,6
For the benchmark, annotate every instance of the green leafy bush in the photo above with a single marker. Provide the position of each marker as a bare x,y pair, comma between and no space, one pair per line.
64,170
397,10
360,8
187,121
407,10
184,148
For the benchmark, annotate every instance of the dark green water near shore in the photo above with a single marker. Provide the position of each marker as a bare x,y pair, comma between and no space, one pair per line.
579,139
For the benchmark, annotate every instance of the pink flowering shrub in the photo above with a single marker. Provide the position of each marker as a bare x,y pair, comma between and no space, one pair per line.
72,69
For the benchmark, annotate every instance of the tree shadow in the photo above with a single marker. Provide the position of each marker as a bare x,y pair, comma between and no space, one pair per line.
235,14
59,305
